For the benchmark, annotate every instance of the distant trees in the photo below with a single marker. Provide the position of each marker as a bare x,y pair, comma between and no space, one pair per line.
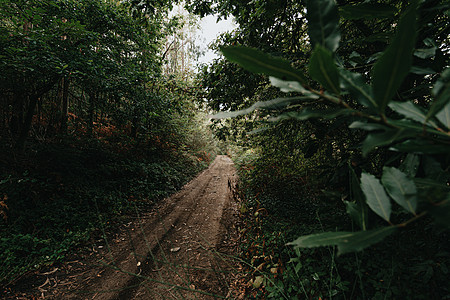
76,66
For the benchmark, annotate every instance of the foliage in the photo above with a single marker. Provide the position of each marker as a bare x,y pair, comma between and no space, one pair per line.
388,73
372,137
275,270
107,130
66,194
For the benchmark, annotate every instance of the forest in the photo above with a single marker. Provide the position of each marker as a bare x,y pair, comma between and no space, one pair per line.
335,113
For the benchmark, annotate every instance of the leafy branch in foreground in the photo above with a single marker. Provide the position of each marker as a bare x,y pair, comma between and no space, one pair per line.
417,132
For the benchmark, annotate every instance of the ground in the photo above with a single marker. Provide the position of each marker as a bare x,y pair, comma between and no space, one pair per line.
182,249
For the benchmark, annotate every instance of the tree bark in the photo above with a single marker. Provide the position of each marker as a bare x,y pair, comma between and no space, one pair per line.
26,125
92,100
65,105
23,134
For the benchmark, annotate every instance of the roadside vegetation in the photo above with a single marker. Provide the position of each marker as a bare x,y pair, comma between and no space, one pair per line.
337,114
339,111
99,120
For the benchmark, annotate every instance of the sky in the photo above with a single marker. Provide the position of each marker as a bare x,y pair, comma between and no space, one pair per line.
209,31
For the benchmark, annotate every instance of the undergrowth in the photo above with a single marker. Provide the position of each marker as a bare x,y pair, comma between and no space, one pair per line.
56,198
284,209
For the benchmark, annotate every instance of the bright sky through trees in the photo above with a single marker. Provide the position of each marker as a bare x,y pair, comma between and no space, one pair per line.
210,29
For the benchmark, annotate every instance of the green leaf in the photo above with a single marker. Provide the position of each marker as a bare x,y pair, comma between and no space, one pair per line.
441,93
395,63
427,183
354,211
410,165
323,69
356,85
367,126
277,103
323,24
444,116
425,52
376,196
420,146
363,239
433,169
358,210
414,126
307,113
422,71
388,137
287,86
291,86
401,188
411,111
320,239
346,241
259,62
367,11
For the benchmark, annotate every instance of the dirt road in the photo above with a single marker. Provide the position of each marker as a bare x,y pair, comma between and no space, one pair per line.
172,252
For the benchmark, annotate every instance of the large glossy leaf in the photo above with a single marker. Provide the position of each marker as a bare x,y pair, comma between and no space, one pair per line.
291,86
420,146
401,188
425,52
418,128
376,197
277,103
363,239
422,70
354,211
367,126
410,165
323,23
428,183
441,93
287,86
358,209
411,111
259,62
308,113
395,63
323,69
367,11
444,116
374,140
355,84
346,241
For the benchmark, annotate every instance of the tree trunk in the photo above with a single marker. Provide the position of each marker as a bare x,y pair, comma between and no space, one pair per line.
16,121
92,100
65,105
26,126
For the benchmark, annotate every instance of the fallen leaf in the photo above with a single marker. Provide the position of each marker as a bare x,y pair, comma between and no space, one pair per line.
258,281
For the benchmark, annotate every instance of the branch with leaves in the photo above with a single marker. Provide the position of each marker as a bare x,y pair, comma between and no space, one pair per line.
419,133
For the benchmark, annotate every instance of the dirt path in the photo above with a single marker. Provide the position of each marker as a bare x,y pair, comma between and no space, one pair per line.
170,253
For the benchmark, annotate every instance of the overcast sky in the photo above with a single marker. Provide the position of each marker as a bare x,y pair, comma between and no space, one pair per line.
209,31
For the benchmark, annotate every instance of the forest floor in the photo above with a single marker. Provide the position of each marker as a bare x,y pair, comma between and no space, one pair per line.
181,249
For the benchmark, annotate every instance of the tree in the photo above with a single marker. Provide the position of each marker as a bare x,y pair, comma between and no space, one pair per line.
94,53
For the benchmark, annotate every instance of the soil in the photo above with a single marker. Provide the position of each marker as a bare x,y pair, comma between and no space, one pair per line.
182,249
